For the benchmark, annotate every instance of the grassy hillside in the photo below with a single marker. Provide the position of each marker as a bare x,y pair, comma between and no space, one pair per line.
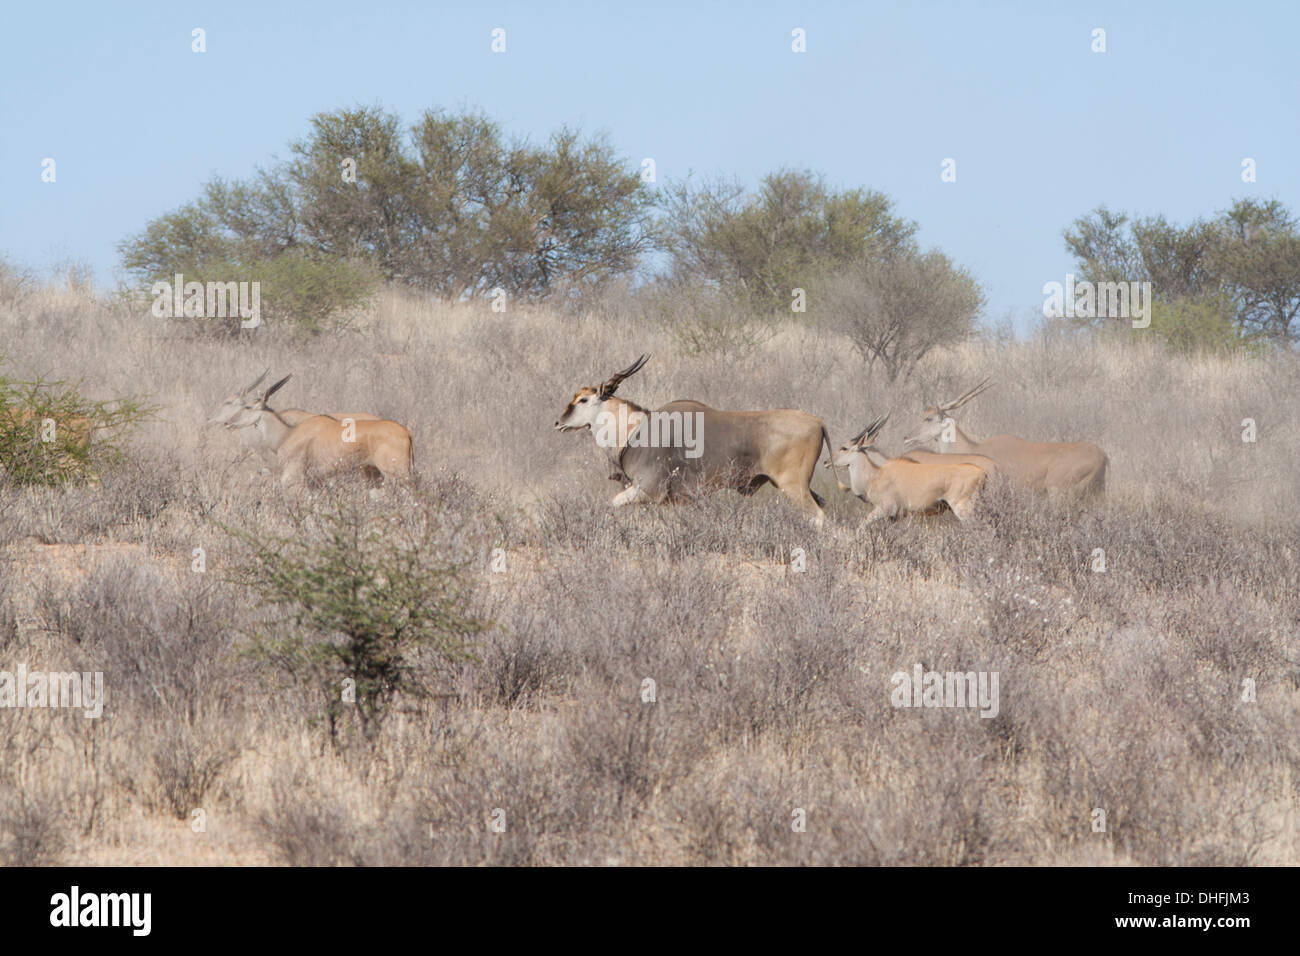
1120,690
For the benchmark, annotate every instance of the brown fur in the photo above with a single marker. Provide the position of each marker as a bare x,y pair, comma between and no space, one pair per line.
899,486
315,448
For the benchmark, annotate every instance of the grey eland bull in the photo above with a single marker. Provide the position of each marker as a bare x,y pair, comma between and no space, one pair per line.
687,447
1070,468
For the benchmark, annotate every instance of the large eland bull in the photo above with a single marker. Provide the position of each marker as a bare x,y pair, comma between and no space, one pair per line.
686,447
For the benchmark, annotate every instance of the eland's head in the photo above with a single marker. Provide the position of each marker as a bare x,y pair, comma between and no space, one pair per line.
860,444
585,407
248,408
935,419
236,403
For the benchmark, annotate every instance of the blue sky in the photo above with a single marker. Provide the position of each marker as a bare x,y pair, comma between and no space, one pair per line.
1042,128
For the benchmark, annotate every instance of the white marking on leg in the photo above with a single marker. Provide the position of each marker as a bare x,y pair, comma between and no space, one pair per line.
630,496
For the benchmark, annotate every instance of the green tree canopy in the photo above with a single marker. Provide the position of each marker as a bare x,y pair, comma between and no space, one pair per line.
786,235
1243,262
449,205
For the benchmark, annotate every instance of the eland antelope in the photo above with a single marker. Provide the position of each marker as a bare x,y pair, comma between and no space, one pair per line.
320,445
686,446
1075,468
899,486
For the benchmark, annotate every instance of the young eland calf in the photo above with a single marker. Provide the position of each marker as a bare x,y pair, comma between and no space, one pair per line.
899,486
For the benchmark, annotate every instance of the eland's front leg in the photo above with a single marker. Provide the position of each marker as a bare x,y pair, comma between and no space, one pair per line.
877,513
630,496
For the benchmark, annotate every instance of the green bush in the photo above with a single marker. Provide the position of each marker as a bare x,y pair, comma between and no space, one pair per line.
313,295
366,596
305,293
51,434
1191,326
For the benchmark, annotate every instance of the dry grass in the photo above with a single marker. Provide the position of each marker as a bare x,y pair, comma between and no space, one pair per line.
1119,690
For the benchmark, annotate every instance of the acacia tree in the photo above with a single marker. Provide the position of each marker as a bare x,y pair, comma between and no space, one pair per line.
1257,260
791,231
1101,247
449,205
897,310
1243,264
462,210
352,183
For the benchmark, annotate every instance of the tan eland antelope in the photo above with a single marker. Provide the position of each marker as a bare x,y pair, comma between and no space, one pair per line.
686,446
1072,468
320,445
898,486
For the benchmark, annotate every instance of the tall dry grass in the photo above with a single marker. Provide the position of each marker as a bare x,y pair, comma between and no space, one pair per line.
1120,691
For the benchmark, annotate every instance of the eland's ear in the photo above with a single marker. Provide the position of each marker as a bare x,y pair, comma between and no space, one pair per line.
275,388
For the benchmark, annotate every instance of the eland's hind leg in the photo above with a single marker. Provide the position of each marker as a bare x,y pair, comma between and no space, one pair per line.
964,509
803,497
